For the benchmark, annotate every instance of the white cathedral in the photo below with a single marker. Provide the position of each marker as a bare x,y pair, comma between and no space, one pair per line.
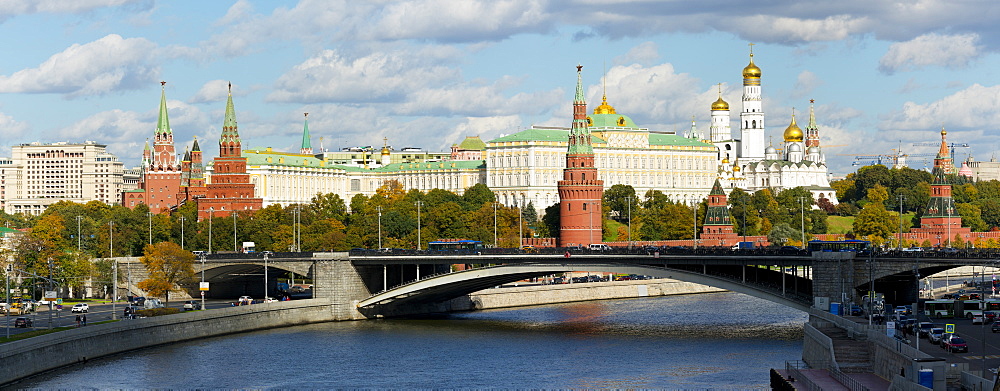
750,165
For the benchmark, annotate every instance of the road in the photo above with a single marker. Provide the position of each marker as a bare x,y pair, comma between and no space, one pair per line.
97,313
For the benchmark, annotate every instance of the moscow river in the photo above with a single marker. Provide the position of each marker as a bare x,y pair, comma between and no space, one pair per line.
706,341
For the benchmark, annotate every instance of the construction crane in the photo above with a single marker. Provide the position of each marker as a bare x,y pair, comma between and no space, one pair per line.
868,160
949,145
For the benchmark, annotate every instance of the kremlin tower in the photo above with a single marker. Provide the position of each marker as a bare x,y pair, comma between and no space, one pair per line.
580,192
752,117
941,221
230,190
718,228
161,173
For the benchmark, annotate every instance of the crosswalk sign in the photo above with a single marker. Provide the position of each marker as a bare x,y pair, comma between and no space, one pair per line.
949,328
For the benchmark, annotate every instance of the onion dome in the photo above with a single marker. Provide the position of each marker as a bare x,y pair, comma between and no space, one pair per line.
812,150
751,70
725,160
795,148
736,168
793,133
770,150
720,104
604,108
385,151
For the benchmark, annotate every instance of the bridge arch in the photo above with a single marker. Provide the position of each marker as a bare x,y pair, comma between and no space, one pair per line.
443,287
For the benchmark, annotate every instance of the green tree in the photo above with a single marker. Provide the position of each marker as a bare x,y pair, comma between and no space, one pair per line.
328,206
550,221
476,196
972,217
618,199
167,265
877,194
875,222
782,233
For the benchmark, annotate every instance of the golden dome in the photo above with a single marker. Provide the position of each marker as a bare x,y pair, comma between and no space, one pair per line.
385,151
720,104
736,168
751,71
604,108
725,160
793,133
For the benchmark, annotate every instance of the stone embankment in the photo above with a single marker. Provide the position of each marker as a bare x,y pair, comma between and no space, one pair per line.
27,357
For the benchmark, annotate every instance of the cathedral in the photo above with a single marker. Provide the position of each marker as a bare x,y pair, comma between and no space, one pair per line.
746,162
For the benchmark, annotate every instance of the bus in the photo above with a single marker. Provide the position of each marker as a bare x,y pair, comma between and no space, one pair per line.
839,245
454,244
971,308
939,308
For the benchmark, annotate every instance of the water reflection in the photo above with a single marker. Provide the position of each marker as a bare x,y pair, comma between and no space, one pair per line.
704,341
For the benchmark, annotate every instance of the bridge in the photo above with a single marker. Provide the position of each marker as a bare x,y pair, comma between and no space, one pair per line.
370,283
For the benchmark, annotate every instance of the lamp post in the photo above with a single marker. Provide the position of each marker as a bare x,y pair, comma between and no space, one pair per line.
236,247
182,232
419,203
900,238
744,218
520,227
202,281
6,296
802,223
629,221
114,265
211,215
265,275
79,243
379,209
590,215
150,215
694,220
495,244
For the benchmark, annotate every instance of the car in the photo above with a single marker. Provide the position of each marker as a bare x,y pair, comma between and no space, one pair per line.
856,310
529,249
270,300
954,344
924,329
81,307
978,319
789,250
995,328
192,305
244,300
22,322
935,335
913,249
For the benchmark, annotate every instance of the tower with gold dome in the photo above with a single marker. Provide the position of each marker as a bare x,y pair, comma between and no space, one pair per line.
752,116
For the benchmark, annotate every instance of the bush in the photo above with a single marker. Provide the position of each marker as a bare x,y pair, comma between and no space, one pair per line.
158,312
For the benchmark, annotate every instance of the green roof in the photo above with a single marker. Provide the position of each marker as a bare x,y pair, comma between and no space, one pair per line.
259,158
4,231
611,121
473,143
433,166
535,134
675,140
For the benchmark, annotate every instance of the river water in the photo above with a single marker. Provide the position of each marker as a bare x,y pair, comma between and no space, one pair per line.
706,341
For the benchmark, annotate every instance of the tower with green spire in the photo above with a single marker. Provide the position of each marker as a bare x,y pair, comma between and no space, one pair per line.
580,190
161,176
718,227
306,148
230,190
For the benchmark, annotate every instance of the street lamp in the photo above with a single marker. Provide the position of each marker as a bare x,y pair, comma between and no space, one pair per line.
419,203
79,243
520,227
265,275
182,232
236,247
202,281
802,213
379,209
211,215
114,265
694,219
495,245
590,215
744,199
150,214
900,238
630,222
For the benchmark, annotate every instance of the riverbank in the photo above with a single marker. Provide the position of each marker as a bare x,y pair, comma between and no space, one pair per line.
23,358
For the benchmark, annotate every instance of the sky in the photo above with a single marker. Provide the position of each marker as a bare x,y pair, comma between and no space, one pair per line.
427,73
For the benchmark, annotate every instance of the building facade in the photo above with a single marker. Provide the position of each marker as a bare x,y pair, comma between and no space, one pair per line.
38,175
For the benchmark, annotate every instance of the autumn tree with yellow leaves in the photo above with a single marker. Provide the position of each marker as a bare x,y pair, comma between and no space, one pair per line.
168,265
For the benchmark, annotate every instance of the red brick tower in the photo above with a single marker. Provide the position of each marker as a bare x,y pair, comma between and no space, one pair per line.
230,190
192,176
941,220
161,173
580,191
718,228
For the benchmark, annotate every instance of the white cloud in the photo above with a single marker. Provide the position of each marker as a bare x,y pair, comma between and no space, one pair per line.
478,100
463,21
11,128
644,53
215,91
805,84
952,51
96,68
652,96
379,77
12,8
976,107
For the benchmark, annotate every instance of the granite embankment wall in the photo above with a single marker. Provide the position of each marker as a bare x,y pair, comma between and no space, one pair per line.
566,293
27,357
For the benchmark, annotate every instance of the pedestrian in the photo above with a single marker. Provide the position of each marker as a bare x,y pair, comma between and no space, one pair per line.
78,321
84,319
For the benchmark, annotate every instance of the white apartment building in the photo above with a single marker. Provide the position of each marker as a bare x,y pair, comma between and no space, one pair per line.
38,175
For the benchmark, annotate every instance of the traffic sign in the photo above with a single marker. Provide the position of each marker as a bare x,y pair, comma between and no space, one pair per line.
949,328
203,286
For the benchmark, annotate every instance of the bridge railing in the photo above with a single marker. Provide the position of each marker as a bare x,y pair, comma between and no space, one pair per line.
647,250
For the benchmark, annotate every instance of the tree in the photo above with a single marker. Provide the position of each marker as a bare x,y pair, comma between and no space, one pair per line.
877,194
328,206
167,265
875,222
529,215
782,234
550,222
477,196
972,217
618,199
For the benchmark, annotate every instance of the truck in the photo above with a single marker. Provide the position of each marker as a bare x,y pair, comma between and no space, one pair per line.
743,246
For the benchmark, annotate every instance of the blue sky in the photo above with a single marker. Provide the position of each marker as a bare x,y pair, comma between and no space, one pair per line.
427,73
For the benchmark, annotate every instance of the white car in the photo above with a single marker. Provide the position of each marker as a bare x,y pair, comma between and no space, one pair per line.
81,307
245,300
978,319
270,300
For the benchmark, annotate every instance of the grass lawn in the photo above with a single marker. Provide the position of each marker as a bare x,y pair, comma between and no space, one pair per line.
842,224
